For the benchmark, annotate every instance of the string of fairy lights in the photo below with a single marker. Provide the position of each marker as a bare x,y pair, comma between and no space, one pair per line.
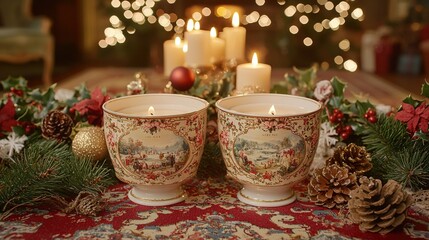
150,12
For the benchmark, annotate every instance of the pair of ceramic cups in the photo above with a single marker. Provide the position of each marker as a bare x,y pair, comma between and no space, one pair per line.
156,142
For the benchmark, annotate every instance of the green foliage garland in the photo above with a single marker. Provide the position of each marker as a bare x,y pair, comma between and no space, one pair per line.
46,170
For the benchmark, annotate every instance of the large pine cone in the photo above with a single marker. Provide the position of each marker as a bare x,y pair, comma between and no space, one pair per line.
377,207
57,125
331,185
353,157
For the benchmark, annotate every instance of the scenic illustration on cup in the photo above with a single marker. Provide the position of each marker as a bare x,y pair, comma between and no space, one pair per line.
268,142
155,142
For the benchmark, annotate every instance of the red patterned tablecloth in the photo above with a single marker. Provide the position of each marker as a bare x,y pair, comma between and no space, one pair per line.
211,211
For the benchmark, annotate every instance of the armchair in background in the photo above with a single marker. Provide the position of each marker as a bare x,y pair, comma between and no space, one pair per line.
25,38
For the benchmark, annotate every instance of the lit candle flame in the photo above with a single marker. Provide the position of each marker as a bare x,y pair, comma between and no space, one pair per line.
213,32
197,26
190,25
151,111
235,20
255,59
177,41
272,110
185,48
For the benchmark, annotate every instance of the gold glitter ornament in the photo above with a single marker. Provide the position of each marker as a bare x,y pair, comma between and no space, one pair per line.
89,142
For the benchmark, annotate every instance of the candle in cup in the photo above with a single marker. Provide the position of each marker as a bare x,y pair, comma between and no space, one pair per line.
198,41
218,47
173,55
235,39
254,75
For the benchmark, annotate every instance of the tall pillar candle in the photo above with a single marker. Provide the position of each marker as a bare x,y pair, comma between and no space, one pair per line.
199,52
235,39
173,55
254,75
217,47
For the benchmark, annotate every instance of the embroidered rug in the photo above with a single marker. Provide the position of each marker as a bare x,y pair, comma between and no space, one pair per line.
211,211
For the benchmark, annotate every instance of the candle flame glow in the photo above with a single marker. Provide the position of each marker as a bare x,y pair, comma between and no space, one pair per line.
177,41
213,32
190,25
185,48
151,111
197,26
255,59
272,110
235,20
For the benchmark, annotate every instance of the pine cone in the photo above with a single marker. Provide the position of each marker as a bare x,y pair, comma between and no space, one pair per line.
353,157
57,125
377,207
331,185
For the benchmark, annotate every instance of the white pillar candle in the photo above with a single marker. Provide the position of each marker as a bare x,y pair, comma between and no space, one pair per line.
254,75
235,39
199,52
173,55
217,47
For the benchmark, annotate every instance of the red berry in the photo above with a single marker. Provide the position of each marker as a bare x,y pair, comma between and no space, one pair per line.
339,115
366,115
332,119
372,119
348,129
336,110
371,112
345,135
339,129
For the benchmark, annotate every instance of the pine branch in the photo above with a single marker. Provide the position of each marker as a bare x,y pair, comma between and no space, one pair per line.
410,168
47,169
85,175
385,138
395,155
33,173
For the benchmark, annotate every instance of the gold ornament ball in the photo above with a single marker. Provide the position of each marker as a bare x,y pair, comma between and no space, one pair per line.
89,142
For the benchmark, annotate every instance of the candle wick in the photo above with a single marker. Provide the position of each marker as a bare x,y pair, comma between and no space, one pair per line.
151,114
272,113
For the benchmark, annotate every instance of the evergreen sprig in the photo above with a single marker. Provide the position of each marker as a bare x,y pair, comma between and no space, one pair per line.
47,169
395,155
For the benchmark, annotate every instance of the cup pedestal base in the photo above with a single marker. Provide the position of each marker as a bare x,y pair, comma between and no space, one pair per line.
266,196
157,195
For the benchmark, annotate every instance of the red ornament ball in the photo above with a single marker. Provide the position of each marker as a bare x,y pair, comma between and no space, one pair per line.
182,78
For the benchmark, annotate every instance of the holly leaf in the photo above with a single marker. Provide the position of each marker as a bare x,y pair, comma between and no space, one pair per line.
336,101
338,86
14,82
281,88
410,100
360,108
307,76
292,80
425,90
